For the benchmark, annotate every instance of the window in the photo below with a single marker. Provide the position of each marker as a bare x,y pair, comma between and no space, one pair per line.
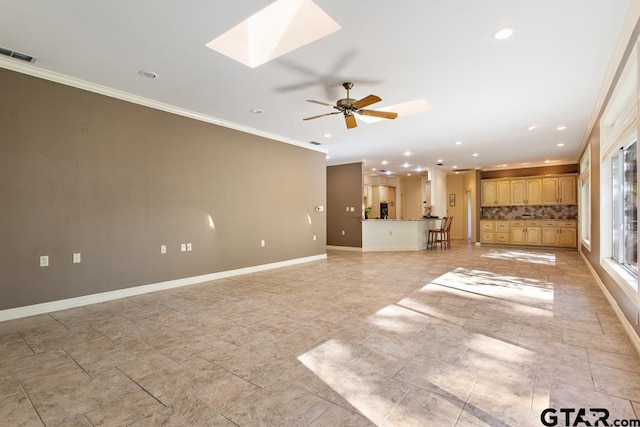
618,186
624,192
585,198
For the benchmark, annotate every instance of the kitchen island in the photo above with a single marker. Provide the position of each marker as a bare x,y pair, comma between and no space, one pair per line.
396,234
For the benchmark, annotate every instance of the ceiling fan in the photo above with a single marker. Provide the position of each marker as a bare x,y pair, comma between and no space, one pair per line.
349,106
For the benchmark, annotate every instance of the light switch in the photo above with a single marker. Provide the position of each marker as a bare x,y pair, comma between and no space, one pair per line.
77,258
44,261
183,247
347,208
262,243
189,247
163,249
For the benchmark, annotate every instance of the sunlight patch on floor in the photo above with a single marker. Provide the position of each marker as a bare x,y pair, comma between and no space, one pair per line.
398,319
508,288
523,256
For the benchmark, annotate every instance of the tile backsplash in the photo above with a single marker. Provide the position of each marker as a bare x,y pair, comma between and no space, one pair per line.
539,212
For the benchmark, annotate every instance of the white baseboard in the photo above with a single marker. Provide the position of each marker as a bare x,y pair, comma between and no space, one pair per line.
48,307
633,336
344,248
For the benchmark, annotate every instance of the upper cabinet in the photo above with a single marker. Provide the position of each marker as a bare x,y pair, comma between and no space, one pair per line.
534,191
560,190
496,192
526,191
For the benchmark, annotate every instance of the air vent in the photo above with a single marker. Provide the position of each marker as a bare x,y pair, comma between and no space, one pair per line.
460,170
315,143
383,170
17,55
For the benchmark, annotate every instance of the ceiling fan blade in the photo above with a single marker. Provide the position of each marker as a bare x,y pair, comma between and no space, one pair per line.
382,114
367,100
350,119
322,115
323,103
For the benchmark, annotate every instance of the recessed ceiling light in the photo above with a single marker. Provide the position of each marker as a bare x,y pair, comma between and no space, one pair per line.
326,157
454,167
503,33
149,74
407,153
457,172
418,169
327,135
373,169
388,172
458,142
439,160
504,164
532,127
547,161
408,174
561,144
279,28
475,154
405,165
384,162
561,127
257,111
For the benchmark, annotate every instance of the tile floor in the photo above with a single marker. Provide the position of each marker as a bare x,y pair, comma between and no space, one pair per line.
471,336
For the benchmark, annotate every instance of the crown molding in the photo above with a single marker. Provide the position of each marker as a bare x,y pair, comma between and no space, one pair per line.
41,73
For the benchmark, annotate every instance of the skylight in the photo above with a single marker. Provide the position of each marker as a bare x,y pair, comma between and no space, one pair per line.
277,29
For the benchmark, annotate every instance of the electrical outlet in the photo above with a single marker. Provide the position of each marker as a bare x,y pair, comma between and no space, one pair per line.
183,247
77,258
352,209
163,249
262,243
343,232
44,261
189,247
347,208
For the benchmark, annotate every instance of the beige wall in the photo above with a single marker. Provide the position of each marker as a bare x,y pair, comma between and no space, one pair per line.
81,172
344,189
411,197
455,186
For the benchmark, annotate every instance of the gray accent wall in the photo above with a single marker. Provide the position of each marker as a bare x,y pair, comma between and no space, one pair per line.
345,184
82,172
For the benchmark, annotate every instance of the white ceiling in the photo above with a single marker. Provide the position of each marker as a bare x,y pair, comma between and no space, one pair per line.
484,92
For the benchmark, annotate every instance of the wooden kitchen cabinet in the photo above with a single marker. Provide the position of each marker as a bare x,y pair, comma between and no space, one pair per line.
567,234
525,233
559,190
487,231
496,192
526,191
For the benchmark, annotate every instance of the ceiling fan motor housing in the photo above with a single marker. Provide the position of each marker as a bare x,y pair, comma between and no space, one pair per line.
345,102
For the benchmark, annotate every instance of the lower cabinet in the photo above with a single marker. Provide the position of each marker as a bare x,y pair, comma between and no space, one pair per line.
567,235
525,235
552,233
